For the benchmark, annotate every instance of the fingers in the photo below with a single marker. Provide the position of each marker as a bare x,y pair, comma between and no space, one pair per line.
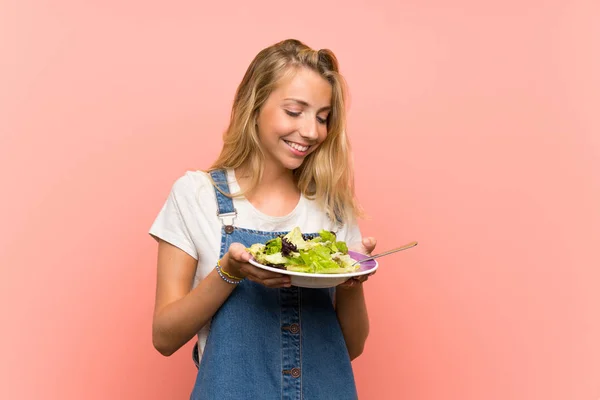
356,281
271,282
350,283
258,273
369,244
366,246
239,256
238,253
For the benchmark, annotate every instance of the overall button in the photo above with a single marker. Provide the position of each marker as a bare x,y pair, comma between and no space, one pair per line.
228,229
294,328
294,372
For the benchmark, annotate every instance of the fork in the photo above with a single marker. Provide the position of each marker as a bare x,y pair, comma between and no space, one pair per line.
406,246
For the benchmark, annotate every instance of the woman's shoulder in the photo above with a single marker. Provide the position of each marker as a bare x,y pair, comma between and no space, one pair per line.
192,183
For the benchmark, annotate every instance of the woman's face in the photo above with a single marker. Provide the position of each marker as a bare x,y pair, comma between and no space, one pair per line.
293,121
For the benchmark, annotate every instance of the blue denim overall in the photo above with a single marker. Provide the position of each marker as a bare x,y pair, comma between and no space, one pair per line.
269,343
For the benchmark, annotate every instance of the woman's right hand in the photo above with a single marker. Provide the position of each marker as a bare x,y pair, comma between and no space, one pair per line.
235,262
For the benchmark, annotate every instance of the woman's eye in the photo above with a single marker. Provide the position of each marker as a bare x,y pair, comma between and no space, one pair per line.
322,120
292,114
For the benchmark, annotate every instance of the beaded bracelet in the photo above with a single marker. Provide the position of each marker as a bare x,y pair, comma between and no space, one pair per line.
227,273
226,279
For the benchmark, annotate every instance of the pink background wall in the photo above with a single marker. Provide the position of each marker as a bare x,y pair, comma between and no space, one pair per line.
477,132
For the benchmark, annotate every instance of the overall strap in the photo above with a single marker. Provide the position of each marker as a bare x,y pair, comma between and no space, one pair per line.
225,209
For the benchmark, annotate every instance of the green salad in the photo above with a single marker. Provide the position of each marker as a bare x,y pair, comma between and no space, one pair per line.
321,254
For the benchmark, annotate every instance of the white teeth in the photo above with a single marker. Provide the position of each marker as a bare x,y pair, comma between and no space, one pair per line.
297,146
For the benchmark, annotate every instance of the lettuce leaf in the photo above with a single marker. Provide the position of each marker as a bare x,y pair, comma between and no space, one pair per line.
276,258
295,237
273,246
342,247
327,236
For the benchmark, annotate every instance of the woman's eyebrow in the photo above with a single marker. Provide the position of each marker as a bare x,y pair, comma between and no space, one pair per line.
306,104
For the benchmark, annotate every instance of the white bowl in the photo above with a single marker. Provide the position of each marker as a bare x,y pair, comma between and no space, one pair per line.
306,280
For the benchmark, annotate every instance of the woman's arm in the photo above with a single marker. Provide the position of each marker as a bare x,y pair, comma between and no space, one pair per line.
353,317
351,308
179,313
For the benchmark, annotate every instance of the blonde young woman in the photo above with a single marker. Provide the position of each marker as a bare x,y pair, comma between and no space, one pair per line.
284,163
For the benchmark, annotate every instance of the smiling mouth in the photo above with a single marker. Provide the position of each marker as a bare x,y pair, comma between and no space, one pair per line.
297,147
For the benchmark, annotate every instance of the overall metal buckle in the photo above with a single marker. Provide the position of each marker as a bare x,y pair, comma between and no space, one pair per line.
227,220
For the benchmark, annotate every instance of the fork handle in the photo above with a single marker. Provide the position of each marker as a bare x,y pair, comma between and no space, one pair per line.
406,246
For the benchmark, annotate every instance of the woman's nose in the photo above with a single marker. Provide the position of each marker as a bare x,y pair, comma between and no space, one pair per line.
310,130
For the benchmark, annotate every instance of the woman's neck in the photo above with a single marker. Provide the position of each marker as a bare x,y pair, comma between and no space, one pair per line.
276,194
273,180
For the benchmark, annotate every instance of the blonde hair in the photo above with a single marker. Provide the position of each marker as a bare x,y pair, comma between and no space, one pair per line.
327,173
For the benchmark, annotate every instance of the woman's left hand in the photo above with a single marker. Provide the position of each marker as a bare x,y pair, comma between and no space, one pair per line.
366,247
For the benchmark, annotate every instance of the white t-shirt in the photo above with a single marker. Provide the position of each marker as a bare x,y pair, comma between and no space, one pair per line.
189,221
